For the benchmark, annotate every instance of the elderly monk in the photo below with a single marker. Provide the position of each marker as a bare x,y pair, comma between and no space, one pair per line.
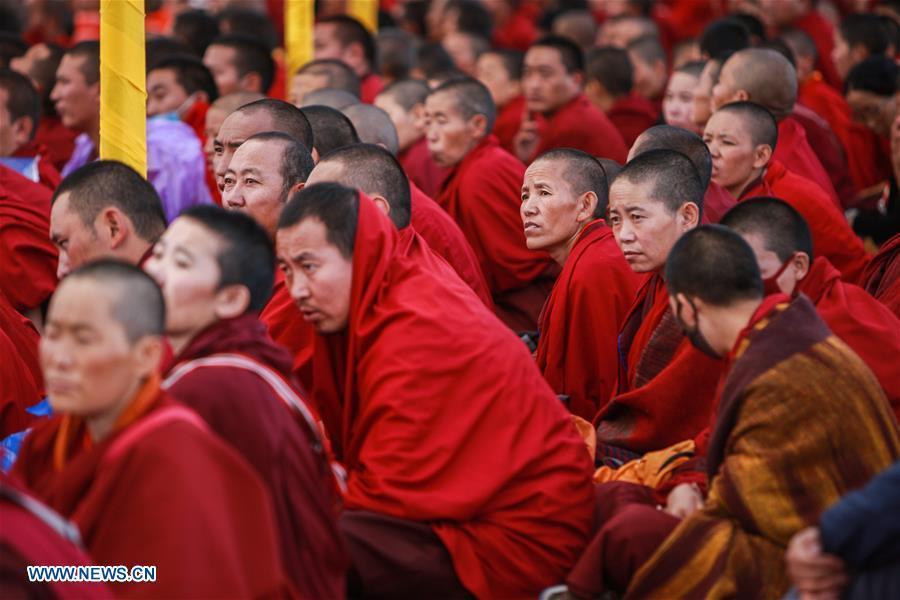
325,73
742,138
767,78
559,115
433,390
666,387
216,269
482,195
331,129
781,240
882,275
376,173
215,116
141,475
771,474
716,200
104,209
564,198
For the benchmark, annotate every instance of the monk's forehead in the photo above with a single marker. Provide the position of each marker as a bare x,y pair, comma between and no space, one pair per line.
625,192
241,124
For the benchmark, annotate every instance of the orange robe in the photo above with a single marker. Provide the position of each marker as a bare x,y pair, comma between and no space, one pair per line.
581,125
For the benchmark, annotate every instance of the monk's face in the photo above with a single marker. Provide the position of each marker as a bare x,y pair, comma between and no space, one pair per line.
214,119
726,89
253,183
450,136
551,213
409,124
77,242
77,101
736,160
235,129
702,108
90,367
645,229
222,63
164,93
491,71
678,103
318,276
546,83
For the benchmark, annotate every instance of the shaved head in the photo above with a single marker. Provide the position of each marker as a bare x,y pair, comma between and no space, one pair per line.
231,102
285,118
758,121
666,137
765,75
407,93
336,99
373,126
331,128
335,74
800,43
582,172
781,228
671,175
471,98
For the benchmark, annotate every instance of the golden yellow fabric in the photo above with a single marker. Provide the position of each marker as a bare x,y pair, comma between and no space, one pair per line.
653,469
366,11
298,33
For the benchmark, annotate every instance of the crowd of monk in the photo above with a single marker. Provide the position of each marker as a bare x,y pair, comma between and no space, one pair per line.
515,298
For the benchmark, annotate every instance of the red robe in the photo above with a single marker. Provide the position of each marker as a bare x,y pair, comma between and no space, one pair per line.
831,234
794,152
446,420
214,376
580,323
882,276
581,125
666,387
160,490
369,87
867,326
21,381
287,327
48,175
632,115
828,150
822,33
57,139
421,168
518,32
447,240
27,256
716,202
509,119
482,196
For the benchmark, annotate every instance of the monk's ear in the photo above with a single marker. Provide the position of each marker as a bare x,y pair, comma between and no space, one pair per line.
252,82
295,188
417,114
587,204
22,129
115,225
762,154
578,78
382,204
741,96
315,155
147,354
232,301
478,126
689,215
801,265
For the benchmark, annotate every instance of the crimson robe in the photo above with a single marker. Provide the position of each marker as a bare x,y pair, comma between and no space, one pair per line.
716,202
286,325
421,168
444,236
48,175
863,323
828,150
794,152
444,419
822,33
882,275
160,490
28,263
519,31
581,125
482,195
369,87
831,234
58,139
21,382
632,115
509,119
666,387
580,323
221,374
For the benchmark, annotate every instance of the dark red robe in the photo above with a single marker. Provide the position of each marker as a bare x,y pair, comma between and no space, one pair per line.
632,115
519,31
222,374
444,419
822,33
794,152
287,326
831,234
828,150
509,119
882,276
27,256
369,87
482,195
716,202
57,139
421,168
21,382
581,125
580,323
160,490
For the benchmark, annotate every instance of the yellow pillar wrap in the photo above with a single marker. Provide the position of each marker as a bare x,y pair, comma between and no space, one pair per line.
123,83
298,34
366,11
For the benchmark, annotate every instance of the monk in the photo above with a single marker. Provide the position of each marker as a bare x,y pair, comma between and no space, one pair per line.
882,275
781,240
559,115
138,473
482,195
666,387
770,473
678,101
742,138
321,74
501,73
216,269
331,130
564,198
407,340
346,39
716,200
20,110
764,76
404,102
376,173
702,102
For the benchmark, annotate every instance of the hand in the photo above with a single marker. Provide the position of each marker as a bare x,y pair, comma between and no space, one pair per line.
814,573
683,500
526,139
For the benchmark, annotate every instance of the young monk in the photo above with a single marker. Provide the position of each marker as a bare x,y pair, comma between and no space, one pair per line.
742,138
666,387
564,198
141,476
501,73
771,473
558,113
781,240
465,475
481,194
678,101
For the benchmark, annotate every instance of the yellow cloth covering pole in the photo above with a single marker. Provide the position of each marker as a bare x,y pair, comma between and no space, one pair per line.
298,34
366,11
123,83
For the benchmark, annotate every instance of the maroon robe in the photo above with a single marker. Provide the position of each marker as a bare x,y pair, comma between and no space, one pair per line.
21,383
58,139
581,125
509,119
369,87
632,115
794,152
421,168
716,202
825,144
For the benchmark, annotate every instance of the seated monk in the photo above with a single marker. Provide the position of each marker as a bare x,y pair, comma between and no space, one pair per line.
782,243
465,474
558,113
564,199
666,387
376,173
716,199
501,73
21,105
331,129
882,275
741,137
216,269
482,195
771,474
141,476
